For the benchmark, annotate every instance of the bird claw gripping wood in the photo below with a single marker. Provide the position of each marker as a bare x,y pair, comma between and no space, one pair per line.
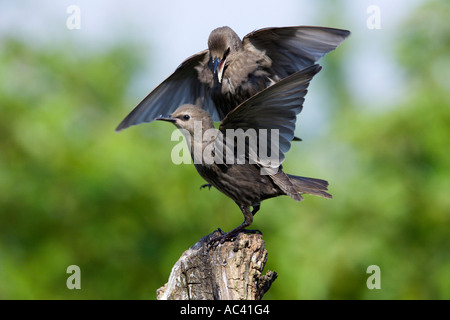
229,236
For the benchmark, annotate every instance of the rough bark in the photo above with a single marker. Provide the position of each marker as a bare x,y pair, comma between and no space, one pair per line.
229,271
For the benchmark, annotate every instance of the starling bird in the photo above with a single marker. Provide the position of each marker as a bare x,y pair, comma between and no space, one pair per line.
259,176
231,70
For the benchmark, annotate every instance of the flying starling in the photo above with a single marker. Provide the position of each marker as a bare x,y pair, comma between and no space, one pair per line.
251,175
232,70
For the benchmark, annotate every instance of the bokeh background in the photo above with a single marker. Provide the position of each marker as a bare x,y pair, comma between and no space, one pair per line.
376,124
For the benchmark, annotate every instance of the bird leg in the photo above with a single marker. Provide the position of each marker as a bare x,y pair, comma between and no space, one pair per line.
206,185
256,209
248,219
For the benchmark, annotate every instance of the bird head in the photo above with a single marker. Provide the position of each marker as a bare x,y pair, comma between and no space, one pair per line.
190,118
222,43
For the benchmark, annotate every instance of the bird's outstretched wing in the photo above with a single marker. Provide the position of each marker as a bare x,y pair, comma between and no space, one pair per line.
183,86
294,48
270,113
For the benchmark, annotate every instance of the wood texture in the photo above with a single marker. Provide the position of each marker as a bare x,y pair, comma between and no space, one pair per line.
229,271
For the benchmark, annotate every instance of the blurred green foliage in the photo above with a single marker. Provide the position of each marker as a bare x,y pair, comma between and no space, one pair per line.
72,191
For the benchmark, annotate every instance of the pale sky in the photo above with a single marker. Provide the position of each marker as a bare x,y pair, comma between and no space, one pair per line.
171,31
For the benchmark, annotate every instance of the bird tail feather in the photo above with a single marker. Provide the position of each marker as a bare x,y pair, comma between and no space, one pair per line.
310,186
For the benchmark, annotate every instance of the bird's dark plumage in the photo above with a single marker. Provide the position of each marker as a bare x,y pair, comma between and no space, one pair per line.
231,70
248,184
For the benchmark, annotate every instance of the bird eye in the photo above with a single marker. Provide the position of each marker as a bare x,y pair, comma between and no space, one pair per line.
186,117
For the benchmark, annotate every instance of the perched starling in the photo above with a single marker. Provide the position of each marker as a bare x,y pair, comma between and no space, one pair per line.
232,70
251,175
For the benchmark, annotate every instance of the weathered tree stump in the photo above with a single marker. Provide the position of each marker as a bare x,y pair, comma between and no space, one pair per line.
229,271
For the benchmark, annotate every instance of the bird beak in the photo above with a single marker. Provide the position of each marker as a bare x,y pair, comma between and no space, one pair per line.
218,65
166,118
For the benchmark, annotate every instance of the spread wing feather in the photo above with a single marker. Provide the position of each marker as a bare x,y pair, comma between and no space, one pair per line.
294,48
183,86
274,109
